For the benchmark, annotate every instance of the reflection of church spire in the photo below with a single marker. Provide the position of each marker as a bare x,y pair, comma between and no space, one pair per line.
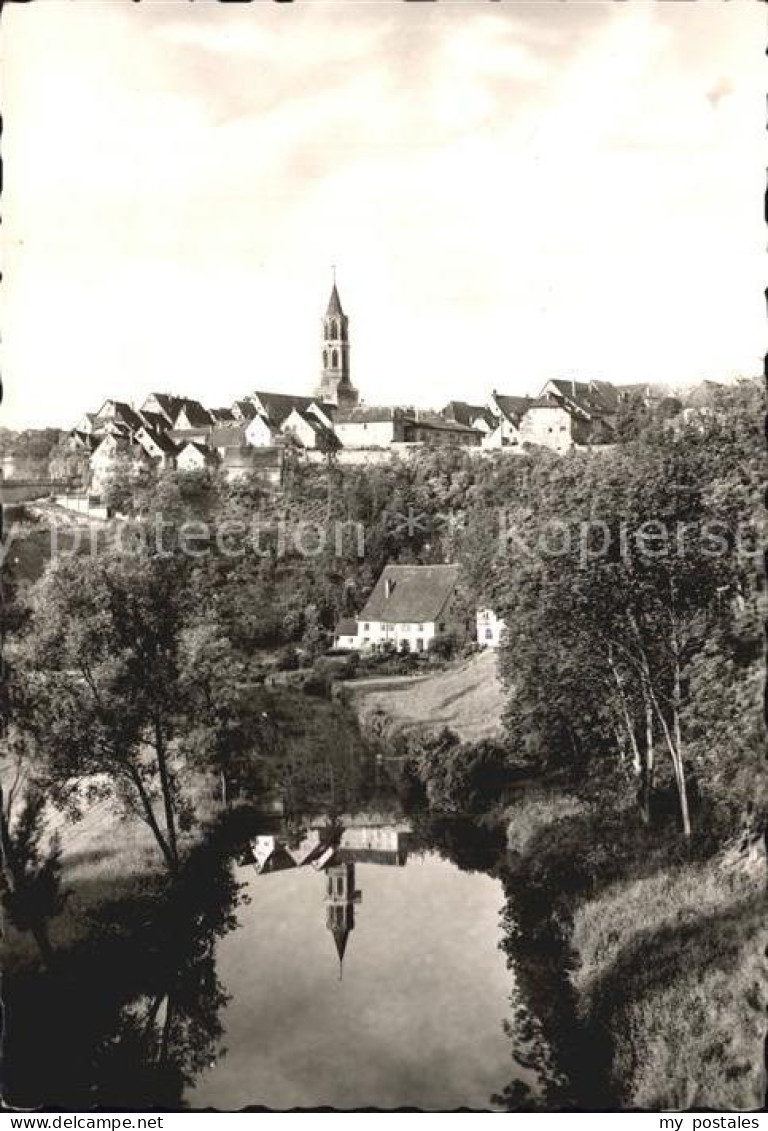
340,899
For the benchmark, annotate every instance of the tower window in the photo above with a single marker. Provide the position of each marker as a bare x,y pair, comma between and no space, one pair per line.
325,359
334,359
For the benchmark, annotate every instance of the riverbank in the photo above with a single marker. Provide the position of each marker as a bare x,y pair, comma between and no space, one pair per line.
644,963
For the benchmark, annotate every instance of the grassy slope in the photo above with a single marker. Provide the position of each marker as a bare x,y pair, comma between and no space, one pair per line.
667,954
467,698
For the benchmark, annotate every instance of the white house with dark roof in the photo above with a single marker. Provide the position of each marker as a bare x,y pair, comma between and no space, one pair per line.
194,456
306,426
413,605
370,426
507,412
158,446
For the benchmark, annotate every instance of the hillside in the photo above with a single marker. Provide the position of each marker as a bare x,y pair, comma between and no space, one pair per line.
468,699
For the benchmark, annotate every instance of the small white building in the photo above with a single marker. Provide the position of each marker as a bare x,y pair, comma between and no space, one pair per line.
410,606
259,432
489,628
111,453
370,426
309,430
345,635
159,447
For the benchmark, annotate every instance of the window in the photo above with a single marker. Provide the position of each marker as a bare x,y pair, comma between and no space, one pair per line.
441,626
325,359
334,359
489,634
420,628
419,644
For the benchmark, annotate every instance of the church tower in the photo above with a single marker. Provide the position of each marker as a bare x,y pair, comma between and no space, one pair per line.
335,384
340,900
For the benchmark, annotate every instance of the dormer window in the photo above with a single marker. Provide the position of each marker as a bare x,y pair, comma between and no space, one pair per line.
388,587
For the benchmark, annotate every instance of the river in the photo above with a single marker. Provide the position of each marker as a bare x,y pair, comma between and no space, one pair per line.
369,977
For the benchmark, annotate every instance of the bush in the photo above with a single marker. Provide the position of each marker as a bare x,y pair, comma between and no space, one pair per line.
462,778
445,646
288,659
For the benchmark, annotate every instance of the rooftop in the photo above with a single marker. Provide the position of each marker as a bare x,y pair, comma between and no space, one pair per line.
416,593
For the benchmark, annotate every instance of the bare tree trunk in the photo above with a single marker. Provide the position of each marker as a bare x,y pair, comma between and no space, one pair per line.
675,754
636,760
676,703
648,762
150,818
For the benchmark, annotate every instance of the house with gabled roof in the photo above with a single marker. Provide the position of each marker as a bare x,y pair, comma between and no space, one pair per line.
260,432
277,407
410,606
475,416
422,426
192,416
370,426
110,453
117,412
154,421
166,405
194,456
222,417
307,428
88,423
507,412
159,447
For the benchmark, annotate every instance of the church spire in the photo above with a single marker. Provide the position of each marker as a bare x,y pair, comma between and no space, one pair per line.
334,302
335,385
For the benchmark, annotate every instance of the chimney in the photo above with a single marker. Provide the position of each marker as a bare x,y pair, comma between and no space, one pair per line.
388,587
573,387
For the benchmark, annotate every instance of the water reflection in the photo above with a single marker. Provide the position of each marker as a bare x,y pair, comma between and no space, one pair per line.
230,992
333,849
416,1019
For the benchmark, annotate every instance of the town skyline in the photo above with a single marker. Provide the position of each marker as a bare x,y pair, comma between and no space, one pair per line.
500,210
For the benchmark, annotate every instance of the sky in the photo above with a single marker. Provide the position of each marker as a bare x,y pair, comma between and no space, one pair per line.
510,192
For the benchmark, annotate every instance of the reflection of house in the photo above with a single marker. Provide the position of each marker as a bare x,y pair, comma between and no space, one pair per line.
374,844
340,900
369,842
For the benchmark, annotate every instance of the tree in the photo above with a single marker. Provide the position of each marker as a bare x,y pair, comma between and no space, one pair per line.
106,686
31,873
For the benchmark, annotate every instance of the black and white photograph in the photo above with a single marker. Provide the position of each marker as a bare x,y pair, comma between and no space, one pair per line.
382,603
